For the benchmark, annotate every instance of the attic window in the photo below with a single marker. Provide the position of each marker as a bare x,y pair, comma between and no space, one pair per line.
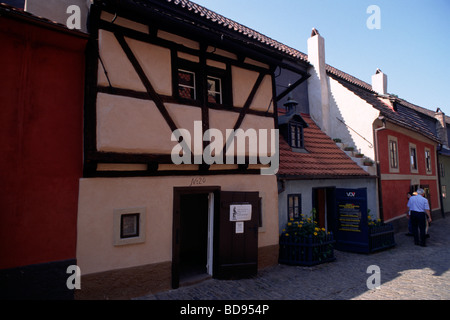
296,139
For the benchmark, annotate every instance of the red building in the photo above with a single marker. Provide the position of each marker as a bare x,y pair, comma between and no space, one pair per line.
41,95
406,147
407,161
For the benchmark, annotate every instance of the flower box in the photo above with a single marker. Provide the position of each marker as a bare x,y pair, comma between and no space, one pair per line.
306,251
381,237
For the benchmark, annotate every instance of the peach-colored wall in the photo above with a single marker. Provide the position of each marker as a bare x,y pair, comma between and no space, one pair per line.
99,197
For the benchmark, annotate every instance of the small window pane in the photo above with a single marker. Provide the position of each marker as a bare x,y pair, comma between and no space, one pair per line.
186,84
129,225
214,90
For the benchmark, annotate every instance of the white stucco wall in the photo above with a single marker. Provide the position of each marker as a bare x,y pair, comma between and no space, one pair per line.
357,114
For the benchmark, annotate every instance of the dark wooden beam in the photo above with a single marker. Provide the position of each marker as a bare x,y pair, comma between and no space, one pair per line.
291,87
148,86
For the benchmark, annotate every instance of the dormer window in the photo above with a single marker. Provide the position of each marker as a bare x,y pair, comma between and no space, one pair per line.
296,135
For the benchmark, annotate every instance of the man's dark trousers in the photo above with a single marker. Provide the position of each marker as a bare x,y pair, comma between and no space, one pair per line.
418,223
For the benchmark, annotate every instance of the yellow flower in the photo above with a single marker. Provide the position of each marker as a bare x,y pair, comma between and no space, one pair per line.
289,224
287,234
315,233
316,229
323,229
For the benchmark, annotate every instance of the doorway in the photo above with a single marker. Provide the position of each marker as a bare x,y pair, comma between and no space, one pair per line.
324,200
193,234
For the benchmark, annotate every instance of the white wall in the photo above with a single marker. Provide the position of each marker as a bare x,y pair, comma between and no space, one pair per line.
357,114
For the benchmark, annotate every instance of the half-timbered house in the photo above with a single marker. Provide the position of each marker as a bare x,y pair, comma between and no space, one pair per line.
156,210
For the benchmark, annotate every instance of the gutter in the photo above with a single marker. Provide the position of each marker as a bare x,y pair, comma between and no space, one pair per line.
439,179
377,161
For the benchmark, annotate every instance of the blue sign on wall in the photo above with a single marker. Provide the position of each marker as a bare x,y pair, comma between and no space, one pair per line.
352,230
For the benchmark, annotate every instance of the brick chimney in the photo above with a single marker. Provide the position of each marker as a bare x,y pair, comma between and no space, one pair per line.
379,82
318,91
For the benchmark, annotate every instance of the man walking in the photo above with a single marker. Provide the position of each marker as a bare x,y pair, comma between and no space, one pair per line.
420,213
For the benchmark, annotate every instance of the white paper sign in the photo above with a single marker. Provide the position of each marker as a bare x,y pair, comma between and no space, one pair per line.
240,227
240,212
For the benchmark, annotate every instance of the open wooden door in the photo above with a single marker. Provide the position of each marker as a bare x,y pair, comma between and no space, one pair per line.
236,244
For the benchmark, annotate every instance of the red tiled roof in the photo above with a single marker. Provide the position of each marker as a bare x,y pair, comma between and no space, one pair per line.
221,22
323,159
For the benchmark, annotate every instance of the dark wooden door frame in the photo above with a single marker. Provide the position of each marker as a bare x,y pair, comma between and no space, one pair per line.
177,193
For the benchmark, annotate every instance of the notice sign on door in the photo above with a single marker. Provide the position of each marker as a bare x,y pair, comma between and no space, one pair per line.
240,212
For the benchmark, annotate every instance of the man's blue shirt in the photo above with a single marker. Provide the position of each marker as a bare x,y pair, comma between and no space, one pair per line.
418,203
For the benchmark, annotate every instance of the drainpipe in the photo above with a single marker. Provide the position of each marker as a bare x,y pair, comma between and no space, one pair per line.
377,161
439,180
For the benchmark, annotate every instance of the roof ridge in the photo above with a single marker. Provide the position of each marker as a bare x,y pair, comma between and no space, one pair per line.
238,27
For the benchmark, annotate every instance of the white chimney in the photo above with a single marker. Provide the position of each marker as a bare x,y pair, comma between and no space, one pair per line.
319,107
379,82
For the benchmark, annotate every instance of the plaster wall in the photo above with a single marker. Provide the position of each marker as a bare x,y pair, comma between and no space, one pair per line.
98,198
357,115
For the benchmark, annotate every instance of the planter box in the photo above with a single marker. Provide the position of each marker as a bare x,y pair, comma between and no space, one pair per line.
306,251
381,237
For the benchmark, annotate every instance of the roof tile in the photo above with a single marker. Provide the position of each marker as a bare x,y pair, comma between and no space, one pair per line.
324,159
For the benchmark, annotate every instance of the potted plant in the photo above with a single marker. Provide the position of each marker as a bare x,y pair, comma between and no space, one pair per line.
381,235
349,148
303,243
368,162
359,155
337,140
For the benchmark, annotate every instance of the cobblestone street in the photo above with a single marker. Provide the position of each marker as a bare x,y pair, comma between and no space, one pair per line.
408,272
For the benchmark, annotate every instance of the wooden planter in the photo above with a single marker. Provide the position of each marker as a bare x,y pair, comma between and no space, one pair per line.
307,251
381,237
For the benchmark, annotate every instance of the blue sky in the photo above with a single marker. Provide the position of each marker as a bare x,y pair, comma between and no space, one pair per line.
412,45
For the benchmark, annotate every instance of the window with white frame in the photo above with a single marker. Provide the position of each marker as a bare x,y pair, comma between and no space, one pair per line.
393,154
428,166
294,206
129,226
413,157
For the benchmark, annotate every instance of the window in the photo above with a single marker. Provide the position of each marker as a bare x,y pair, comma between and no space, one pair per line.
428,161
444,192
129,226
191,84
214,90
442,169
296,135
186,85
294,206
413,157
393,154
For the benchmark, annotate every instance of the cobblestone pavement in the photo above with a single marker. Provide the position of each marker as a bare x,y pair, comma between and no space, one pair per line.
408,272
